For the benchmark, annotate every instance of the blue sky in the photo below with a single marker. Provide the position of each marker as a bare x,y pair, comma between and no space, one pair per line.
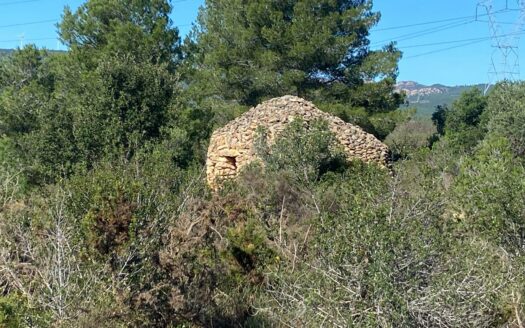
468,63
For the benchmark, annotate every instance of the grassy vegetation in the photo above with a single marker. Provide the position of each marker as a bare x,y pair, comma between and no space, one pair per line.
106,219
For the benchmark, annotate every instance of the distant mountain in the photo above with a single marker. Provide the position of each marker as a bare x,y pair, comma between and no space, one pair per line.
4,52
425,98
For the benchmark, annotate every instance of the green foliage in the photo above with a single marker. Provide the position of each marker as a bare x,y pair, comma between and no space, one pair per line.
351,253
379,124
115,199
16,312
506,114
490,194
138,28
467,110
439,118
464,124
40,134
473,116
384,123
265,48
247,242
125,209
408,138
307,150
123,105
43,273
244,52
12,180
125,53
106,220
476,284
109,94
12,311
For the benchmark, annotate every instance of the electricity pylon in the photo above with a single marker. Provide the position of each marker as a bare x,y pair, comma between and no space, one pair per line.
21,37
505,61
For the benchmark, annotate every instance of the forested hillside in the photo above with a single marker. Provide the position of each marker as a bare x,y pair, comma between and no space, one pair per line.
426,98
106,219
5,52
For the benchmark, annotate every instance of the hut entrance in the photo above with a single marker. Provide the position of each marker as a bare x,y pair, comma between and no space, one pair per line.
232,161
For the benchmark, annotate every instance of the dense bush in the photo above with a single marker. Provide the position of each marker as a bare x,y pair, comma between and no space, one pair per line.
409,137
506,114
308,155
490,191
106,219
146,244
463,124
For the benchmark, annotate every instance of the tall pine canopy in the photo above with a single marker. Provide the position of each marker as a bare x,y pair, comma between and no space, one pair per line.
246,51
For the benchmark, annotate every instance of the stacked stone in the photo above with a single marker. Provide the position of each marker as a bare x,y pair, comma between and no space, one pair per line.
232,147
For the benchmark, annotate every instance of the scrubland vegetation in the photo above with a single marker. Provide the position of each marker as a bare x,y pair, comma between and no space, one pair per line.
106,220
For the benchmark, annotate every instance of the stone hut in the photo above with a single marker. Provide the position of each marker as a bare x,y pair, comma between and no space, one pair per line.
232,146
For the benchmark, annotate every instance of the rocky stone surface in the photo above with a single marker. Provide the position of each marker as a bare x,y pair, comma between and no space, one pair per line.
411,88
232,147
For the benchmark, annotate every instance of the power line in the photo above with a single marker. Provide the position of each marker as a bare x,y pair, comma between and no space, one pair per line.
438,21
496,22
30,23
37,39
444,42
473,41
56,21
458,41
434,29
420,24
405,47
16,2
414,35
422,32
445,49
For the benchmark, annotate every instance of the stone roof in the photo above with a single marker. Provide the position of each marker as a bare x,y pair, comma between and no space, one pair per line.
232,146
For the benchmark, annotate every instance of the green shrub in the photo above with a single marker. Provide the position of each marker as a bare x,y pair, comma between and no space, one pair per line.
409,137
464,124
506,114
379,124
306,150
489,194
15,312
474,284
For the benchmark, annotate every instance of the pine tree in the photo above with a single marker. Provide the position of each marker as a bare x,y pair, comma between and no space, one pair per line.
247,51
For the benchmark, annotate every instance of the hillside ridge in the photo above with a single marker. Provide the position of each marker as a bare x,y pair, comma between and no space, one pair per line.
425,98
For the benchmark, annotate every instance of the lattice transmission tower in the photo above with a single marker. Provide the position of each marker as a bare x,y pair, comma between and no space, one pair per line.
505,60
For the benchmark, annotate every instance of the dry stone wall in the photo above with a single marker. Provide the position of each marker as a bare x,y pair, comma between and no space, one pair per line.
232,147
